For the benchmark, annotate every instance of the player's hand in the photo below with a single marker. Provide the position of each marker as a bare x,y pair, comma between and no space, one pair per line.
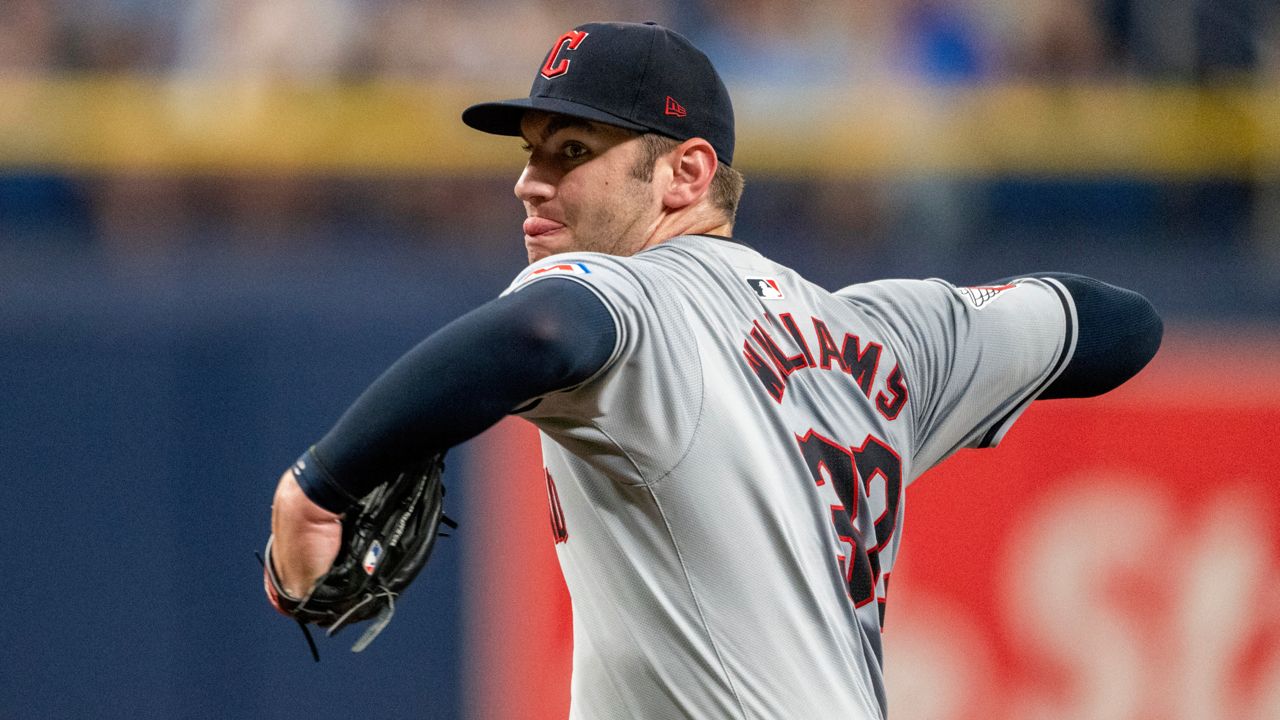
305,541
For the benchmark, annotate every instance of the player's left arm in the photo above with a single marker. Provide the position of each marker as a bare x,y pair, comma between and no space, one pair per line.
1118,333
974,358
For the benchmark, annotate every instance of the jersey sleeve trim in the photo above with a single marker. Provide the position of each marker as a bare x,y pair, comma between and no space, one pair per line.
997,431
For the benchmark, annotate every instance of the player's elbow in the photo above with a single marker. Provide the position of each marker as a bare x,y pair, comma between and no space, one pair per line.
1119,332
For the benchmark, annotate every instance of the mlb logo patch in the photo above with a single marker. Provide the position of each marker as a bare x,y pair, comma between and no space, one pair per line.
372,557
765,288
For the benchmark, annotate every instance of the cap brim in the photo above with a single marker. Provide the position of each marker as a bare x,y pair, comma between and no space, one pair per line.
503,117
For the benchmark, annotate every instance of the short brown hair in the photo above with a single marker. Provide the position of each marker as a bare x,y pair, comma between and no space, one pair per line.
726,186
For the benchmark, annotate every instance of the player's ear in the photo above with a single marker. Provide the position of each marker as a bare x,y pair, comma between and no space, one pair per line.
693,165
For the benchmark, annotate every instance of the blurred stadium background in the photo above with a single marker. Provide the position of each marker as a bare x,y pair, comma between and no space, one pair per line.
220,219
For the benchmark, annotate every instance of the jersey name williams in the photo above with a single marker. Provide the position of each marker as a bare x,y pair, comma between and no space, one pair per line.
852,356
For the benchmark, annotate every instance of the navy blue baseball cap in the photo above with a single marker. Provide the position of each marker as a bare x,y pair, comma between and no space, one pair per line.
638,76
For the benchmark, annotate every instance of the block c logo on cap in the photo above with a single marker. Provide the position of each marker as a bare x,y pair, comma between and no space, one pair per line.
567,41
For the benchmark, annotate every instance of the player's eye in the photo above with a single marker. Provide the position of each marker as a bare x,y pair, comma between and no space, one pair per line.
574,150
526,147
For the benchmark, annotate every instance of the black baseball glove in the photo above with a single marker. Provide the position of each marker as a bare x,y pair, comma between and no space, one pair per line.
386,539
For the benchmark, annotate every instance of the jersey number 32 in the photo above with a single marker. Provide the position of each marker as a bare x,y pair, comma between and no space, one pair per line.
853,473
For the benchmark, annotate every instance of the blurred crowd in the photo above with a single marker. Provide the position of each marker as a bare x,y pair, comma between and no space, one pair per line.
941,222
796,40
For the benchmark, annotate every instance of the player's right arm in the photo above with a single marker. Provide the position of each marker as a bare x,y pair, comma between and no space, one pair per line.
550,335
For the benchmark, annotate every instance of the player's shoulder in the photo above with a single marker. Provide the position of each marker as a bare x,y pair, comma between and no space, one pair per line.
588,268
649,266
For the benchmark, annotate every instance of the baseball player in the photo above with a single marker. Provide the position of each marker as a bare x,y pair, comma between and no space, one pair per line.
727,446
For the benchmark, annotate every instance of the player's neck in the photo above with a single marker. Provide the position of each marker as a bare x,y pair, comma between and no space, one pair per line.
701,219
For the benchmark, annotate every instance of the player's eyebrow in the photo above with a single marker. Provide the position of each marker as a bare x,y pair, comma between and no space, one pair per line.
564,122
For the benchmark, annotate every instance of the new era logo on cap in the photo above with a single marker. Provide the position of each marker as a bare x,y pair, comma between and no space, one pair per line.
675,108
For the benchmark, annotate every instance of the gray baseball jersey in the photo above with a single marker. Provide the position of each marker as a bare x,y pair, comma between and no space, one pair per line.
727,492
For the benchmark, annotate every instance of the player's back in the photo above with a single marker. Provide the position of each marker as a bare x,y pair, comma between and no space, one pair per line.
700,553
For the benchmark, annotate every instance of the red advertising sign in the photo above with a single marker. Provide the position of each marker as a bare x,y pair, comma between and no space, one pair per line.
1116,557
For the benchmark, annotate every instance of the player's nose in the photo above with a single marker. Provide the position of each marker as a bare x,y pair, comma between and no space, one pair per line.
533,186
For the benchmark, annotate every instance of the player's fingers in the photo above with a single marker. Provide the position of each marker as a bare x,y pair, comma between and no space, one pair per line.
306,538
273,597
306,552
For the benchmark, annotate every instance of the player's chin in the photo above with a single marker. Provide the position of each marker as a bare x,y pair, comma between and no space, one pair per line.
540,247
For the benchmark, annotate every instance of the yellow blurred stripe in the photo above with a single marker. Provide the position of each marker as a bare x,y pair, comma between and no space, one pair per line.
133,123
1078,130
130,123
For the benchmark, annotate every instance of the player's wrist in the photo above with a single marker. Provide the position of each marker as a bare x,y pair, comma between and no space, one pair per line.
314,481
292,499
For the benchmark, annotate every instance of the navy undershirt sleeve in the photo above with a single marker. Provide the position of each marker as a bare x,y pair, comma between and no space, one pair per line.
1119,333
551,335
